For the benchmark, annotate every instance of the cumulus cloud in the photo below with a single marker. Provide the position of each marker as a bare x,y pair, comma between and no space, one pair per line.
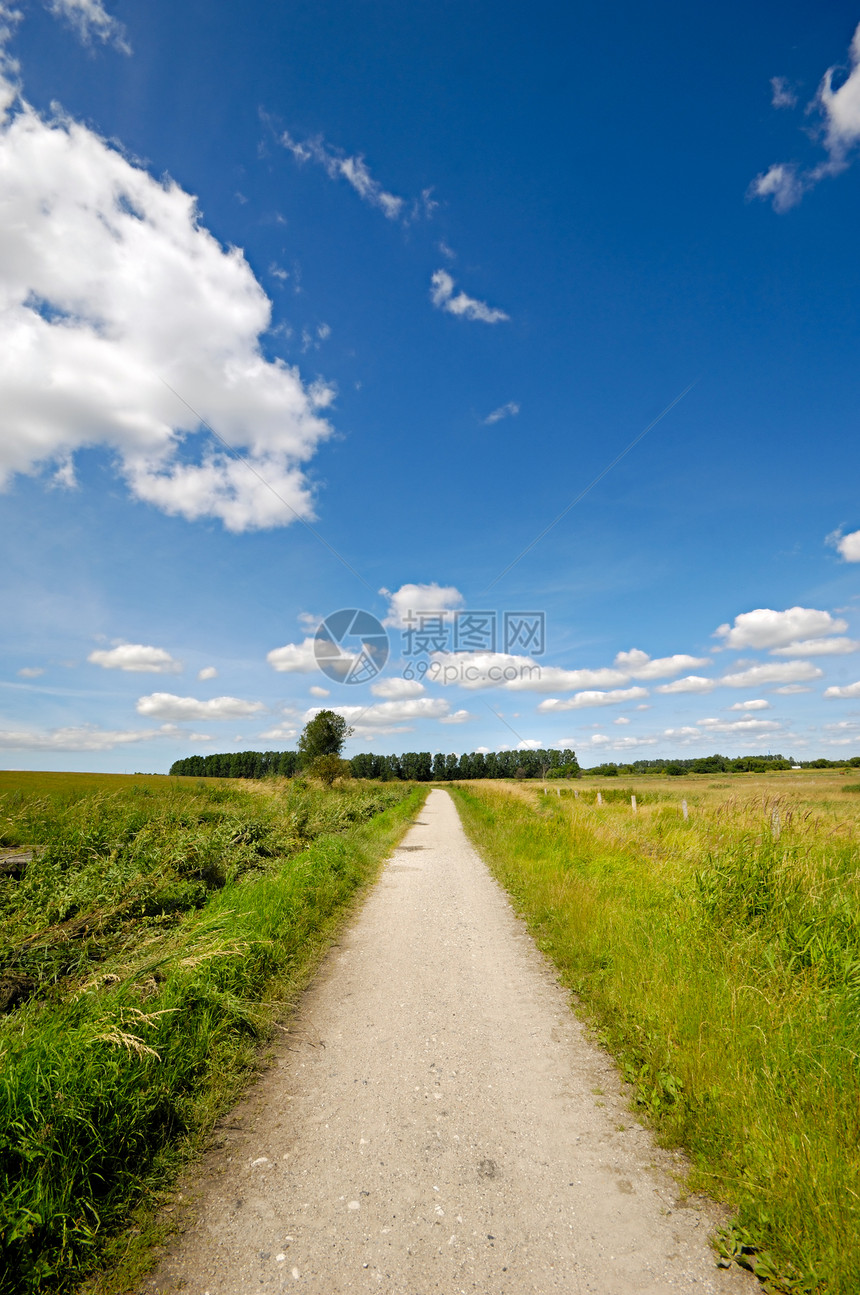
398,716
839,646
208,672
293,658
765,628
848,546
839,127
739,725
843,690
84,737
316,691
442,296
620,743
110,288
90,20
395,688
413,600
758,704
690,683
510,410
592,697
477,670
166,705
339,165
136,658
456,717
30,672
638,665
772,672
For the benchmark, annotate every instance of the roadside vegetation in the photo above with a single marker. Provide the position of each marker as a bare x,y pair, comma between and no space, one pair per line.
151,929
718,957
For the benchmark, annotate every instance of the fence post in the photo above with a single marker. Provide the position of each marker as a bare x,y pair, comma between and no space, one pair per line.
684,809
599,799
633,803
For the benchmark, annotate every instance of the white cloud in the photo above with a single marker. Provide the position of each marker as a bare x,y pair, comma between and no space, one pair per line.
782,95
782,183
622,719
30,672
620,743
442,295
410,601
592,697
476,670
392,712
111,287
208,672
456,717
387,717
83,737
791,689
758,704
293,658
90,19
136,658
280,733
772,672
739,725
690,683
839,646
845,690
165,705
338,165
638,665
785,183
848,546
316,691
765,628
510,410
396,688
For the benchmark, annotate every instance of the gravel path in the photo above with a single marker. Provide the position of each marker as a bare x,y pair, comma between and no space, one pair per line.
437,1121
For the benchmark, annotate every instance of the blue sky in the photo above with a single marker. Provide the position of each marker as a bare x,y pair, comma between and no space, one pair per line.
417,275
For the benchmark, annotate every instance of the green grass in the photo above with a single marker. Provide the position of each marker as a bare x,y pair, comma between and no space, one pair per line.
719,960
158,932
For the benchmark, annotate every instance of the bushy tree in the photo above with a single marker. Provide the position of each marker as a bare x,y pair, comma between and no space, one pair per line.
325,734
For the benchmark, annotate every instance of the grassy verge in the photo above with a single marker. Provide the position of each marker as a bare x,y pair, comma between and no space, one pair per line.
719,958
156,937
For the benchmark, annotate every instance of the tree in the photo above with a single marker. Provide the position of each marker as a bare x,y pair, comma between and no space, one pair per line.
328,767
325,734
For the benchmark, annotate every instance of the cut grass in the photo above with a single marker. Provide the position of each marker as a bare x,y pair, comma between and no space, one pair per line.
146,1021
719,959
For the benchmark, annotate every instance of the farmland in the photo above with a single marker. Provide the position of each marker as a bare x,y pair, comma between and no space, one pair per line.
718,957
151,929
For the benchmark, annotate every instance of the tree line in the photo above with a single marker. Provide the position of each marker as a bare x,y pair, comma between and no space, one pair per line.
411,766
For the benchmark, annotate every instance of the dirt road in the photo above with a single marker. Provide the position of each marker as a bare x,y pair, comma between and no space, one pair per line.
436,1121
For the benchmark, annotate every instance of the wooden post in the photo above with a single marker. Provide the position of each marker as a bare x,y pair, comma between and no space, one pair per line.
599,799
633,803
684,809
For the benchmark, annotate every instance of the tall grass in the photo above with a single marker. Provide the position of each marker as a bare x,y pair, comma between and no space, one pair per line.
719,959
204,908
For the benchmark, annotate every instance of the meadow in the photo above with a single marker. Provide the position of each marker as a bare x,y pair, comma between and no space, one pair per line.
151,930
718,958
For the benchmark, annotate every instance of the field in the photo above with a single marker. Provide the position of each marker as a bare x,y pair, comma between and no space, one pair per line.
151,929
718,958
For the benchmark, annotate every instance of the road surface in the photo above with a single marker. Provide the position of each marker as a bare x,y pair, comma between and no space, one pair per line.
436,1120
